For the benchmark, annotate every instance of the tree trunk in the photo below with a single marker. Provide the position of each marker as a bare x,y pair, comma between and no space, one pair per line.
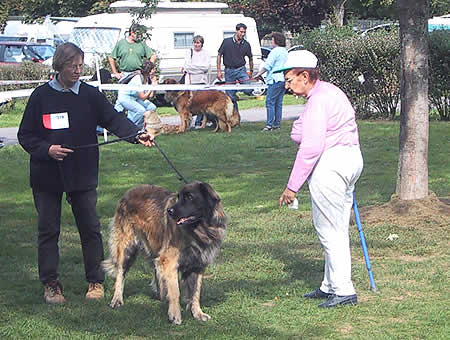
338,12
412,176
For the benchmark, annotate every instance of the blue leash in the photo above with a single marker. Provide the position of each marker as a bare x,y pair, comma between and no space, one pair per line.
363,244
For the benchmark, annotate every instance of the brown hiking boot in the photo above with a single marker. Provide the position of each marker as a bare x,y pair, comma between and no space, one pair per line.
95,291
53,293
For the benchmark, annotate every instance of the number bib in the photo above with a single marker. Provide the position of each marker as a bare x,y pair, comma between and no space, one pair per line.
56,121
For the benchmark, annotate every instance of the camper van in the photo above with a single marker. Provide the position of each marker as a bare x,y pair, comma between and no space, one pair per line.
173,25
52,31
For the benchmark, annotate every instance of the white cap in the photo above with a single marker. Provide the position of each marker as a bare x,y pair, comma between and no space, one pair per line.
299,59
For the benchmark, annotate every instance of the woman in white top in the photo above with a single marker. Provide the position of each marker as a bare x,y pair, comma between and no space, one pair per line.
196,66
137,102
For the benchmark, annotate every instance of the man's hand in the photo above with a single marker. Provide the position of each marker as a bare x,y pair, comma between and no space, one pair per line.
58,153
287,197
219,75
118,75
146,139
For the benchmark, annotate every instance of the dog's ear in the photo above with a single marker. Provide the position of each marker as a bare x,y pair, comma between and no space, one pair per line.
212,198
214,207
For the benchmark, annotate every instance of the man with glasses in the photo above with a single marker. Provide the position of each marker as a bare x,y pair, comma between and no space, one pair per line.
60,116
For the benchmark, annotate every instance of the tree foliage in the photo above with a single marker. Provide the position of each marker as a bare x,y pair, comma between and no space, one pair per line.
380,9
282,15
33,10
294,15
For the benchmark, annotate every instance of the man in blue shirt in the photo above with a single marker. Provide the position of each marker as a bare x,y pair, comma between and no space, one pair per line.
275,81
234,50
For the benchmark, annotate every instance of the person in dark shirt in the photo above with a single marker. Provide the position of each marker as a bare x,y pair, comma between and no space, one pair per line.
234,50
61,115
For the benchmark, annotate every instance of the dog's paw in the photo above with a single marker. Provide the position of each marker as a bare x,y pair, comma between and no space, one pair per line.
116,303
175,319
201,316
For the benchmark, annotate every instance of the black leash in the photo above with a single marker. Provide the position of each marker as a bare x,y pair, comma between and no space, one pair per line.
180,176
100,144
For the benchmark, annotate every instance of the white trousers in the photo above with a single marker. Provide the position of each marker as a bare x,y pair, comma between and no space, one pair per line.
331,185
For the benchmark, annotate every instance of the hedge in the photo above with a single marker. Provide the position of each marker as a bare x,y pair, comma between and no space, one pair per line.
439,79
367,68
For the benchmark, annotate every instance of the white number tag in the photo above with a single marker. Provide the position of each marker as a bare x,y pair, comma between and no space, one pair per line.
56,121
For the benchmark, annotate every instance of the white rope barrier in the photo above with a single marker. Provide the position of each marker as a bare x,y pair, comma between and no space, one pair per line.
8,95
24,82
180,87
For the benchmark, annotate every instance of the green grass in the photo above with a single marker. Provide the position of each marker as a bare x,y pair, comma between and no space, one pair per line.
269,259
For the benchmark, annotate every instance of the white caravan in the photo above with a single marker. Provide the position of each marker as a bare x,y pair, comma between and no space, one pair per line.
174,24
53,30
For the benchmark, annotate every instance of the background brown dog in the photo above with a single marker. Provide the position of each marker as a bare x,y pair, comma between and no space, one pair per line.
190,103
178,232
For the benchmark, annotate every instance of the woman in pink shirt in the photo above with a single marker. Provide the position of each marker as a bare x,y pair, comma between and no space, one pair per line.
329,158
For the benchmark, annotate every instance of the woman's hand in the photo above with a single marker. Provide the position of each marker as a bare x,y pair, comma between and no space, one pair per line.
287,197
146,139
57,152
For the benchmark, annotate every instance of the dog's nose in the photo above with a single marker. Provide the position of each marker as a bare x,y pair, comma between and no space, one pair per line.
170,211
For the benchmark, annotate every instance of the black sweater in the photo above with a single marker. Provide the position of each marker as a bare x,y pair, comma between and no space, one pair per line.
79,170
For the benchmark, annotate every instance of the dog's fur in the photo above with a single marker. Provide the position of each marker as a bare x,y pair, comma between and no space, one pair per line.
217,103
154,126
179,233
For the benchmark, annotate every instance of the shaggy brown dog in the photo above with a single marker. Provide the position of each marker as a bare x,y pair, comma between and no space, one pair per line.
179,233
217,103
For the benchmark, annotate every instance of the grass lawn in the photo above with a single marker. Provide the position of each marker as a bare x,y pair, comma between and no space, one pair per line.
269,259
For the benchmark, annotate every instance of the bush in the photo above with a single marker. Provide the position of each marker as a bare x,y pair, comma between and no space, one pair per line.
344,57
439,79
27,70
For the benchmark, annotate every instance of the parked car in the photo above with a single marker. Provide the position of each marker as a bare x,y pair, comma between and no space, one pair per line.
296,48
378,28
13,52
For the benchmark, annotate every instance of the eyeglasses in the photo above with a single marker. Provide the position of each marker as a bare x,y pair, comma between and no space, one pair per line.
288,81
73,67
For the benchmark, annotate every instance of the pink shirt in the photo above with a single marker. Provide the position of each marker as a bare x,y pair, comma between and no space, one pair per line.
328,120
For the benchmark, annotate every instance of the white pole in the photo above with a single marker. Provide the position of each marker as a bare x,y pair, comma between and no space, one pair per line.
99,79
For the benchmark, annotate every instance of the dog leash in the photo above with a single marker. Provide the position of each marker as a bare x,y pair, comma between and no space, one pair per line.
100,144
180,176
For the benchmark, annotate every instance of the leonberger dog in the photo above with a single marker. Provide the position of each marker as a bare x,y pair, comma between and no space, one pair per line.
177,232
216,103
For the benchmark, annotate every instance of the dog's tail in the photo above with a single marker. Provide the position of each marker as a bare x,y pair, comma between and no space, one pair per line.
116,242
231,113
235,118
109,266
